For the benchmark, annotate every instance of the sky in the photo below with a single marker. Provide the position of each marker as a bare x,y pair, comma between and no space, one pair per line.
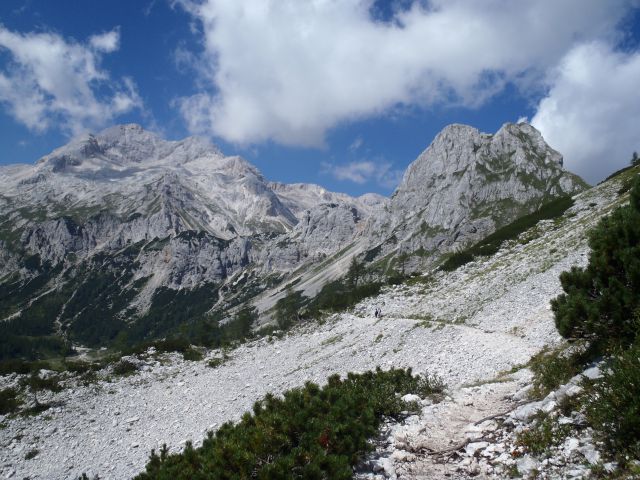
343,93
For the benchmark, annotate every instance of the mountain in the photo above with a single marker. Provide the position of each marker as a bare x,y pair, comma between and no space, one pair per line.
123,236
466,185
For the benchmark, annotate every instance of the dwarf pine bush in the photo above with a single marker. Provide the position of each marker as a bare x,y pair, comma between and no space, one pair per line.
600,301
311,432
601,305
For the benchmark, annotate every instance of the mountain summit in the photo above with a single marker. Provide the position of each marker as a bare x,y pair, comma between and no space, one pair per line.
467,184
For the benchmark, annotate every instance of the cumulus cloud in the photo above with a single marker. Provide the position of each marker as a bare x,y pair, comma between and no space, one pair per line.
51,82
365,171
289,70
592,111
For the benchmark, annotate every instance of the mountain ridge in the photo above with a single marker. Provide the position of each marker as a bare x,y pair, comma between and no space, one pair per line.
153,218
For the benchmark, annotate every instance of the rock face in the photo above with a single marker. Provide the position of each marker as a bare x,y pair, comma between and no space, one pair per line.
124,226
467,184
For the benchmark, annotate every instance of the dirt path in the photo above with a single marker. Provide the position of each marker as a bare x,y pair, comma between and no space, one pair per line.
426,446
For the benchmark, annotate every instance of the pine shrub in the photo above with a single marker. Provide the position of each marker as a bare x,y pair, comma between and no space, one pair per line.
311,432
601,300
124,367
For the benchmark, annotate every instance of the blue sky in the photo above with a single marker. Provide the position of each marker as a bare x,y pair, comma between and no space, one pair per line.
344,93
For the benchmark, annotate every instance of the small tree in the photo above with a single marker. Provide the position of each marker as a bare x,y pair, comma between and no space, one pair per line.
287,308
635,160
601,300
242,323
355,272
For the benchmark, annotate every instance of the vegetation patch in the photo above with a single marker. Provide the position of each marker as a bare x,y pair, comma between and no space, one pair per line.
614,405
31,454
192,355
218,361
125,367
552,368
544,433
312,432
601,301
601,307
491,244
9,401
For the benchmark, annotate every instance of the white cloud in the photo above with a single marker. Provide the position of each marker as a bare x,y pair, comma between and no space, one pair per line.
289,70
356,144
106,42
592,111
49,82
365,171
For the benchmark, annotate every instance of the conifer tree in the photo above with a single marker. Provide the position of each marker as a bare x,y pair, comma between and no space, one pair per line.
601,301
355,272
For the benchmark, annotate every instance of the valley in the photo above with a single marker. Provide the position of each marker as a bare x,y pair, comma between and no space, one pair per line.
470,327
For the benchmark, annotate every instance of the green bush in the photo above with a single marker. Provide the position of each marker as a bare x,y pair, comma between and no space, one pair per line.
9,401
31,454
17,365
552,368
340,295
218,361
124,367
600,301
614,406
543,433
311,432
601,304
192,355
287,309
37,383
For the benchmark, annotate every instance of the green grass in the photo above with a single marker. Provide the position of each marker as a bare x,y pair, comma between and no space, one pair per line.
544,433
552,368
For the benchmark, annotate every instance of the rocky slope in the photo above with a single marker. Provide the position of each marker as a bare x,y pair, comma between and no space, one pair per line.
119,233
471,327
467,184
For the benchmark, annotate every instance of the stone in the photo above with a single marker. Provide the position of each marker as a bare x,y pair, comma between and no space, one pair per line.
472,448
590,453
526,465
571,445
411,398
592,373
577,473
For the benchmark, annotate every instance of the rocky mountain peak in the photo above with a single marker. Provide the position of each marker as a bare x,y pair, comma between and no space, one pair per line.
467,183
123,146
